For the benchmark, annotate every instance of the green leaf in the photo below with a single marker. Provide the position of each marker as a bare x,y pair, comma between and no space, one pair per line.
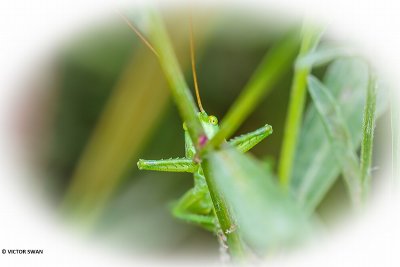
266,216
314,170
322,56
339,137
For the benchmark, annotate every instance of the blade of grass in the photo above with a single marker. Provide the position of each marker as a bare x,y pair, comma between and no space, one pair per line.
266,217
310,40
368,134
188,112
123,126
224,215
272,67
339,136
172,71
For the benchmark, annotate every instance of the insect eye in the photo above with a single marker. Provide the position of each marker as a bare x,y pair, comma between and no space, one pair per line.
213,120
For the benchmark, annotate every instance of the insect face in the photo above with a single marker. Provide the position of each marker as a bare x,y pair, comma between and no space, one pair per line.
209,123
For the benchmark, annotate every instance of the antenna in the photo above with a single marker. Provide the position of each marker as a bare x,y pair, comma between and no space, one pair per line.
193,59
141,36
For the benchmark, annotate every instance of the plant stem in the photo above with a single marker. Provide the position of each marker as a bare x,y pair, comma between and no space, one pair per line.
107,154
225,219
271,69
179,88
368,134
188,112
310,40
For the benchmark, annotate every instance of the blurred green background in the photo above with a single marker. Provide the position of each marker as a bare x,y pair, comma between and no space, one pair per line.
113,107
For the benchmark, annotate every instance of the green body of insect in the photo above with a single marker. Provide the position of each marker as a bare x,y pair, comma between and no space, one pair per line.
196,205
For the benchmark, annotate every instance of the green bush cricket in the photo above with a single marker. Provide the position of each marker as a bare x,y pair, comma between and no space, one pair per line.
196,205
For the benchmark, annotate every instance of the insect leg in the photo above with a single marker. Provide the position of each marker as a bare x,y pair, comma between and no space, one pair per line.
196,207
189,147
168,165
247,141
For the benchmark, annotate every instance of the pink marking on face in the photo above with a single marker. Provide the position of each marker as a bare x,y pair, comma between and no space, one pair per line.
202,140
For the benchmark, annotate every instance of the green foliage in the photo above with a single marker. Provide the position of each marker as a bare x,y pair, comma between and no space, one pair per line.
187,108
254,212
315,171
173,73
272,67
338,135
310,40
96,177
323,55
265,216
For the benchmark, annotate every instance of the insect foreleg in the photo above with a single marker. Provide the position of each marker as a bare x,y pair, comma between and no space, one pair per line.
247,141
168,165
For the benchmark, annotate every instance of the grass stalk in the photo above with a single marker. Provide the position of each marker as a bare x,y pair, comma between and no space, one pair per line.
368,134
297,101
110,148
174,75
225,219
272,67
188,111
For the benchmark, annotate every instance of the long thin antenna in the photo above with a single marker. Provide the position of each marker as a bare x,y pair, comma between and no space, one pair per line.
141,36
193,59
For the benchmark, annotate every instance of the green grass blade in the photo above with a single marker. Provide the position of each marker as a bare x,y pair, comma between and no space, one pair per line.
188,112
368,135
224,214
266,217
310,40
339,136
169,64
272,67
116,139
314,171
